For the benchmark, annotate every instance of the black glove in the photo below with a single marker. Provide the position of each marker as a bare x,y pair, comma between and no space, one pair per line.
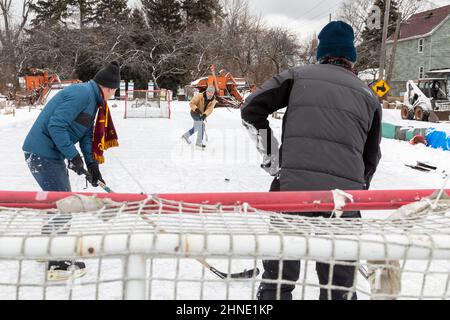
197,110
94,174
77,165
203,117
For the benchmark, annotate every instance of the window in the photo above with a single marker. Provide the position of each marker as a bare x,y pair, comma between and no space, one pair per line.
420,46
421,72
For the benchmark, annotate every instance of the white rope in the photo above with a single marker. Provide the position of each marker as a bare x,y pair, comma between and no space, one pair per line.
339,200
231,238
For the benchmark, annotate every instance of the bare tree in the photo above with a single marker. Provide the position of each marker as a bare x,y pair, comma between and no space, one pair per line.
58,49
409,7
280,47
237,41
164,56
206,49
238,35
251,49
11,32
355,13
308,50
160,57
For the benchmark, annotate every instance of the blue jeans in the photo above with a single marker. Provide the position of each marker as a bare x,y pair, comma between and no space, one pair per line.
51,175
198,127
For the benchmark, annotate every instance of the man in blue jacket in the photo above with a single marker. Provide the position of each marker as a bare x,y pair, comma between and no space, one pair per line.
68,119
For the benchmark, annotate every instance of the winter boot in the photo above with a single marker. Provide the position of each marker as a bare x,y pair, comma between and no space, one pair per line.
64,270
200,146
186,139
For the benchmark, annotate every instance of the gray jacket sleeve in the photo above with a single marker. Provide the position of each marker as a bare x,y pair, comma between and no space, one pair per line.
372,152
270,97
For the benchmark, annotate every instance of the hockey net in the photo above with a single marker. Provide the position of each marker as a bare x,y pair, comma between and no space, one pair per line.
147,104
153,248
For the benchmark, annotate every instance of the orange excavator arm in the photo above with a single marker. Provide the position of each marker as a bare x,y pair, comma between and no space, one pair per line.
233,87
226,86
212,81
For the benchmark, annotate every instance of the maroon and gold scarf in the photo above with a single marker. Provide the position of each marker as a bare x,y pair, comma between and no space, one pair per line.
105,135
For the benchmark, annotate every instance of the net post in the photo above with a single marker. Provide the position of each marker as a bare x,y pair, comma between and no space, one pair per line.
169,94
135,284
126,104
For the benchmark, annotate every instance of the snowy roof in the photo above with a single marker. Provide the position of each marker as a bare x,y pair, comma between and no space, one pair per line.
368,74
423,23
196,82
439,71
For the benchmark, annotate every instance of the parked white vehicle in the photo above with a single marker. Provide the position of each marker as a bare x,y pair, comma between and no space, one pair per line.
426,100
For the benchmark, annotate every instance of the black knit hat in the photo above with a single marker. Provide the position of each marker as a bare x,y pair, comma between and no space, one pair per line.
109,75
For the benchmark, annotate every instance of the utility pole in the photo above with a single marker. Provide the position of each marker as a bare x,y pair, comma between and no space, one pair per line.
383,43
330,17
394,49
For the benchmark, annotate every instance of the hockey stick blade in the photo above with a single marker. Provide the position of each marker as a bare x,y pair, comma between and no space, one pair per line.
246,274
426,165
240,275
419,168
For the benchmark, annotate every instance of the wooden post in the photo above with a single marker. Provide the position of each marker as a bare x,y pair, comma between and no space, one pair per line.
394,49
383,42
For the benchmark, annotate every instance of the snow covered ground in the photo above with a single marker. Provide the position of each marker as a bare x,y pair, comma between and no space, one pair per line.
392,116
153,159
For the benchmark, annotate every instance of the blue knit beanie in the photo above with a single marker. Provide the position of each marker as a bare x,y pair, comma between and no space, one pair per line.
337,40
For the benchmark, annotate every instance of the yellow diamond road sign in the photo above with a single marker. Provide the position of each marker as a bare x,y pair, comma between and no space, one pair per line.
381,88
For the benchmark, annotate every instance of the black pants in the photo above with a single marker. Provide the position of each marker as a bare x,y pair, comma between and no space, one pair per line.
342,275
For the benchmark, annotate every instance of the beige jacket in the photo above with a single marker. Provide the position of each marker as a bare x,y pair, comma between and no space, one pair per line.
199,102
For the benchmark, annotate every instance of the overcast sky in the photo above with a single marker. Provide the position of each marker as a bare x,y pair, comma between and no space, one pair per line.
304,17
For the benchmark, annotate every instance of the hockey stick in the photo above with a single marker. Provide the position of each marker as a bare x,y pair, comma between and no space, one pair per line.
222,275
363,271
99,183
105,187
204,130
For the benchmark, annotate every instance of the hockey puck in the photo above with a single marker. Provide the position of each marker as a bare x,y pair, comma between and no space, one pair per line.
227,180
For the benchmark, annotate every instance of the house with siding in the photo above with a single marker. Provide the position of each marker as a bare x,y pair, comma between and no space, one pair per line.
423,48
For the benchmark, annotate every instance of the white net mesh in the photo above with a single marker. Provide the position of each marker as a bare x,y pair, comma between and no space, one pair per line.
159,249
147,104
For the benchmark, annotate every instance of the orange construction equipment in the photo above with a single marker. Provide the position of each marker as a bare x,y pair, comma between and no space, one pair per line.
37,84
230,91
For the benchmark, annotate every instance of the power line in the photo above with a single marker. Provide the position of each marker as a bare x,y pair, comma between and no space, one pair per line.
317,16
305,13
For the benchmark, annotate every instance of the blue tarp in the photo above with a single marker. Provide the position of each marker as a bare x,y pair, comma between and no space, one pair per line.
438,139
